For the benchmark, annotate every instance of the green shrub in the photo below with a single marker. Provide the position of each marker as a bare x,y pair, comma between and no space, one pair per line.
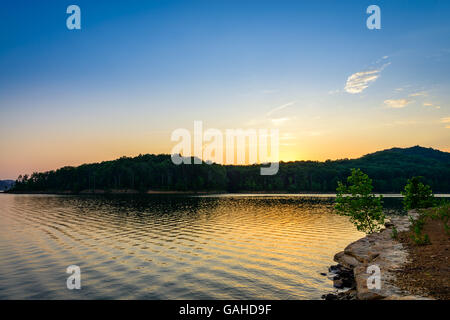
357,201
443,213
421,240
417,195
394,234
417,227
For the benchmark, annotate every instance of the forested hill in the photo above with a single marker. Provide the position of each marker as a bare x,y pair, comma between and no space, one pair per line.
6,184
389,170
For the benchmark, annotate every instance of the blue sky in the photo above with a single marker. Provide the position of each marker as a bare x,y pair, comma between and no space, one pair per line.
137,70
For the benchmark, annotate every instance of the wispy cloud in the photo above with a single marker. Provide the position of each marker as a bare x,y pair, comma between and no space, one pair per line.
360,81
446,120
287,139
334,91
401,123
279,108
428,104
279,121
271,118
403,88
419,94
397,103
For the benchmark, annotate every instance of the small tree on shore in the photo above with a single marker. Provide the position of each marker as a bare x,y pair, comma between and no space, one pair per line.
417,195
355,199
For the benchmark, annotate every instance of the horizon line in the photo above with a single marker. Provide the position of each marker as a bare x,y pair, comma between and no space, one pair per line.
222,164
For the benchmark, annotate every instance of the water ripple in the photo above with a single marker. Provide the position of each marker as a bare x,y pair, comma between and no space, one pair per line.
168,247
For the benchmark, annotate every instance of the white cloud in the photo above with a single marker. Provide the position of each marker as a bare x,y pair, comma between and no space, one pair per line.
269,118
359,81
446,120
428,104
334,91
397,103
418,94
280,108
381,59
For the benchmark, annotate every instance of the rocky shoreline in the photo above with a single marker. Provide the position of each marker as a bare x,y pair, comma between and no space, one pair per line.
379,249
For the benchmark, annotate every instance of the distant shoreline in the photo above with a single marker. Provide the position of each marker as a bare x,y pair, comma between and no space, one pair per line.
131,191
389,170
114,192
202,193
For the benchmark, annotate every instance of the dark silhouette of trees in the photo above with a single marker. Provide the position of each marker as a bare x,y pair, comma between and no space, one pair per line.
389,170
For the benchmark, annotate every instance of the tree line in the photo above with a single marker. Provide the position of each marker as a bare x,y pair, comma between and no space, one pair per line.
389,169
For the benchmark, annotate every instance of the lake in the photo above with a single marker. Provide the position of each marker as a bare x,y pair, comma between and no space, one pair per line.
169,247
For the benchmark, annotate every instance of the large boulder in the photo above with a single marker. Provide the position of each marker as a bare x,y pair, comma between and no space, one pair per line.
345,260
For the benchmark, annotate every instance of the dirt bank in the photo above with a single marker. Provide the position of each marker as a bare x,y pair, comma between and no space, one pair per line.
427,271
390,255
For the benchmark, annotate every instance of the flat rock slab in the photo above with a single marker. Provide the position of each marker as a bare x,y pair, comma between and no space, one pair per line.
378,249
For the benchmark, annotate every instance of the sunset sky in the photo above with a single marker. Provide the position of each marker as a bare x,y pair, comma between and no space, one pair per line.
137,70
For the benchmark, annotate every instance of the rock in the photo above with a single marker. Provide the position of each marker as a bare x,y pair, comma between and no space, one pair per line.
346,273
359,249
342,277
346,295
388,224
335,268
338,283
346,260
375,249
348,282
410,297
363,292
323,274
329,296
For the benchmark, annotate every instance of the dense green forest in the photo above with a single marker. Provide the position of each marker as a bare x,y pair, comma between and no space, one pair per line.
389,170
6,184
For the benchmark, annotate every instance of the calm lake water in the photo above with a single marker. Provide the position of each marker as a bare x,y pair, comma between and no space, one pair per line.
169,247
